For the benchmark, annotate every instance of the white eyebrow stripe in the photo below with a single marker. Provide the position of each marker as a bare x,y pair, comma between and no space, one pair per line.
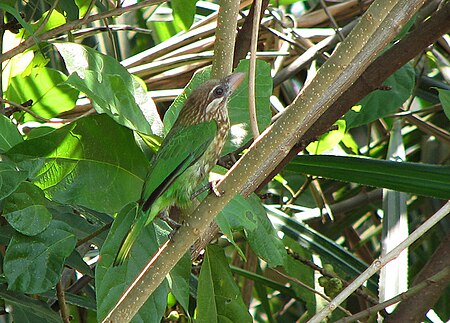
214,104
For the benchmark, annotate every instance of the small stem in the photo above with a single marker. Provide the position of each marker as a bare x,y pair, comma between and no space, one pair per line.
62,303
252,71
225,38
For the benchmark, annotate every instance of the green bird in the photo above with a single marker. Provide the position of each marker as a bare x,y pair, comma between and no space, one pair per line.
186,156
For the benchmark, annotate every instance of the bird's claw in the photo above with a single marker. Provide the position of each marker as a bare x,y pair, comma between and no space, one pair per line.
172,223
214,188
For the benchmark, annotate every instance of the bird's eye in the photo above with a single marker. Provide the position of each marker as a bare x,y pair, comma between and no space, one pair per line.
218,92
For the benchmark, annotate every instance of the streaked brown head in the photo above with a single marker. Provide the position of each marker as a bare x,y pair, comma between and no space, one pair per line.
209,101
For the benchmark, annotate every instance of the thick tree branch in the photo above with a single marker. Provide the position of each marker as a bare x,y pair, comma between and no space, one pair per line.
412,45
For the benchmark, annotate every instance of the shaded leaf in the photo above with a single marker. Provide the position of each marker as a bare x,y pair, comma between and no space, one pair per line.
9,136
26,211
28,309
112,281
219,298
34,264
381,103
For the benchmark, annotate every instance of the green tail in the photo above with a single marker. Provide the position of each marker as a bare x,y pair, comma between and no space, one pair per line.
129,240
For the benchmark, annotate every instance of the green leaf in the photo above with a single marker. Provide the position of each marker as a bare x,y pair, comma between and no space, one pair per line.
93,162
379,103
10,178
112,281
34,264
45,87
421,179
232,219
113,90
76,262
328,140
219,298
56,19
250,216
240,132
444,97
69,8
183,12
26,211
9,136
264,239
28,309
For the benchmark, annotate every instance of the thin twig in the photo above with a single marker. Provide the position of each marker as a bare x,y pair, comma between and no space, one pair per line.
22,108
94,234
62,303
379,263
307,287
443,274
252,71
332,20
47,17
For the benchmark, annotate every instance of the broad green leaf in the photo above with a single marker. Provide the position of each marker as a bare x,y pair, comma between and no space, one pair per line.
113,90
219,298
421,179
183,12
10,178
112,281
9,136
45,87
263,239
28,309
26,211
232,218
93,162
381,103
240,132
250,216
444,97
34,264
84,222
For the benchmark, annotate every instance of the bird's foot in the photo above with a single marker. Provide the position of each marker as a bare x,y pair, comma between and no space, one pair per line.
166,218
172,233
210,187
215,189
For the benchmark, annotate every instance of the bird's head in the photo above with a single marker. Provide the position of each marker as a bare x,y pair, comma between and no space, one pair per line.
209,100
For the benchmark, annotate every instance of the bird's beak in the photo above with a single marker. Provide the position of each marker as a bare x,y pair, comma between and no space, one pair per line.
234,80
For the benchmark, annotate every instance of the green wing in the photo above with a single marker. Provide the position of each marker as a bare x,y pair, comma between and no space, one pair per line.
179,150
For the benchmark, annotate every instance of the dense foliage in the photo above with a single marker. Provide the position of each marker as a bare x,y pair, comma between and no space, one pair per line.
90,88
